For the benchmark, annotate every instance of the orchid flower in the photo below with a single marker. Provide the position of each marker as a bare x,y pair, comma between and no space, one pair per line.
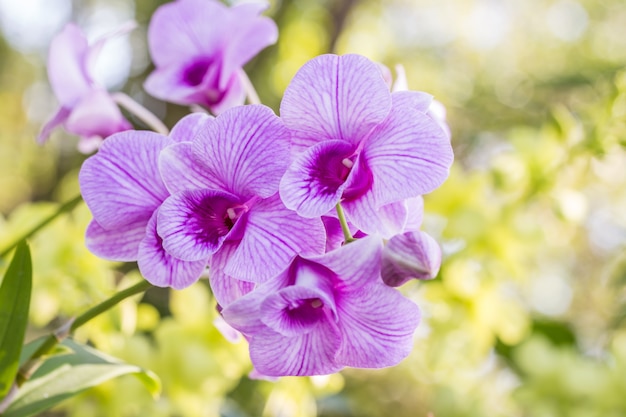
199,48
224,206
331,311
358,144
122,187
86,108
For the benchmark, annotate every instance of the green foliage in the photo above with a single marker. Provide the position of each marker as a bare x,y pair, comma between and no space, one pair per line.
15,293
66,374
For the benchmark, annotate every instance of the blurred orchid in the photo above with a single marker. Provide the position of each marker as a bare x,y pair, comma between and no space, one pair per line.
86,109
359,144
199,48
330,311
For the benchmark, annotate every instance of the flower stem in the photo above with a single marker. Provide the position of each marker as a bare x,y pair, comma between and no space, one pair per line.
141,112
344,224
66,207
253,97
26,371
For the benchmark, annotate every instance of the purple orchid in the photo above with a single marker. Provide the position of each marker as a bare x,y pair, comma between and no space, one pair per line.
86,109
225,207
199,48
331,311
413,254
124,191
359,144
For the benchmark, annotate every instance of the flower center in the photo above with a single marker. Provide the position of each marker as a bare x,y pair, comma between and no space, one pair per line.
194,73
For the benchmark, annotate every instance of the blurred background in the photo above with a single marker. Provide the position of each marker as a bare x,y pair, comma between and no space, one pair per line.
526,317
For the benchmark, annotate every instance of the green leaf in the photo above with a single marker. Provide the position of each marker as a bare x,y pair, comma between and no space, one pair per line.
64,375
14,305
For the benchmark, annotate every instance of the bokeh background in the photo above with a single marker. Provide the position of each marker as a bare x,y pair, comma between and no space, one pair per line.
526,317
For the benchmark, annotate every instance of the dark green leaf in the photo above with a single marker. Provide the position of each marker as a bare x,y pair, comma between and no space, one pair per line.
14,304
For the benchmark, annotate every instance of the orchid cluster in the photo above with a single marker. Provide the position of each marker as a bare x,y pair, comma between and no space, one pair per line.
303,222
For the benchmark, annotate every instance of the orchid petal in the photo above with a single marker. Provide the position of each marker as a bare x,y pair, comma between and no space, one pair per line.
118,244
377,325
182,170
416,100
194,223
247,148
187,127
315,181
162,269
232,95
187,20
307,354
67,66
57,119
357,264
226,289
408,155
249,34
410,255
293,310
121,183
385,221
273,236
96,114
335,97
166,83
415,207
244,311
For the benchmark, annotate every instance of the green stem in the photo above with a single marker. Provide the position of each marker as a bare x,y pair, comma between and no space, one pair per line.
344,224
66,207
51,341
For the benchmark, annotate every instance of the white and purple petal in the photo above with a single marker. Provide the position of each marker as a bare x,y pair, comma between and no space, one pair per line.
226,289
356,264
408,155
416,100
179,30
121,184
410,255
315,181
96,114
194,223
335,97
377,325
162,269
187,127
67,66
273,236
247,148
248,34
182,170
118,244
312,353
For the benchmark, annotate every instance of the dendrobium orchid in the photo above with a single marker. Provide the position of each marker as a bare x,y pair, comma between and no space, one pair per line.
124,190
224,206
199,48
359,144
409,255
331,311
86,108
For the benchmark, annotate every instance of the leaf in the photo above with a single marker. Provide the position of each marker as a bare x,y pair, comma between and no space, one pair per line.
67,374
14,304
